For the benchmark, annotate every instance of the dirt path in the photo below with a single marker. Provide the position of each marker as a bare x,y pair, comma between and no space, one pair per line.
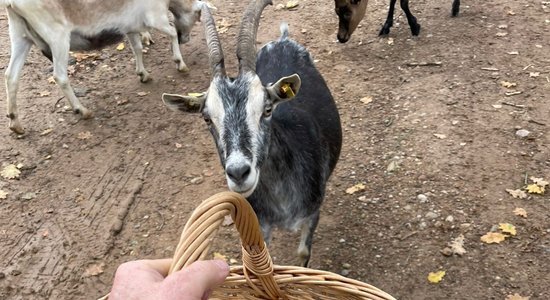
93,194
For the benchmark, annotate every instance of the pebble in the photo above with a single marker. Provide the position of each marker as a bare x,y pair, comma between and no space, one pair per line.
346,266
345,272
450,219
407,207
422,225
197,180
341,241
522,133
422,198
431,215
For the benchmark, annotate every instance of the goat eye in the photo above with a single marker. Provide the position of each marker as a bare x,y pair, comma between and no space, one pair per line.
268,110
207,120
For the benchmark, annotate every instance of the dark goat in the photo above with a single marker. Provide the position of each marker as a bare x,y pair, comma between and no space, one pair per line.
278,153
350,13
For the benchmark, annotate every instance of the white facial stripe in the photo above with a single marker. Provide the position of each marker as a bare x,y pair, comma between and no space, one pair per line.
215,109
254,111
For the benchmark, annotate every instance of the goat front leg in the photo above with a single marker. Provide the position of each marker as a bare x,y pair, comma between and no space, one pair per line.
306,239
59,44
20,47
413,24
163,25
456,8
389,20
137,48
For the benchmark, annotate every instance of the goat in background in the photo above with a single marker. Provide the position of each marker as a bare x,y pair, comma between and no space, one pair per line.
276,127
58,26
351,12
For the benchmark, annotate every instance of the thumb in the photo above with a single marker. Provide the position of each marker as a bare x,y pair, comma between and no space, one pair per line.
194,281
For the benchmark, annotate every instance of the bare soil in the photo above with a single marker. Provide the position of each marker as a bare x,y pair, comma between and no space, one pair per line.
440,125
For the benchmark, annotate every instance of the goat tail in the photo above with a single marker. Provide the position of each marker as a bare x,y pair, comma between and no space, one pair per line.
283,28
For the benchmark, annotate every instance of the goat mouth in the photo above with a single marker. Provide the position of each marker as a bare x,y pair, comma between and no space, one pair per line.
342,38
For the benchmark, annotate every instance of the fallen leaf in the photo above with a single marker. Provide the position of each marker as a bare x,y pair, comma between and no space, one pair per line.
85,135
501,34
46,132
520,212
440,136
457,245
3,194
436,277
45,93
390,41
517,193
508,84
366,100
94,270
120,46
220,256
10,172
516,296
81,56
178,145
539,181
534,189
507,228
534,74
141,94
356,188
493,237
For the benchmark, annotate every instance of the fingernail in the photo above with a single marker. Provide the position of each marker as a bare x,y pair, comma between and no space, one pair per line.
222,265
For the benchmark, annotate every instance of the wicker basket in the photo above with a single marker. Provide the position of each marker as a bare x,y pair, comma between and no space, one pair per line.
258,278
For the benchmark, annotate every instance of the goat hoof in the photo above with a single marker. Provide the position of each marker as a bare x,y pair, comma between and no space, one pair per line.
16,127
183,69
415,30
144,77
385,30
84,112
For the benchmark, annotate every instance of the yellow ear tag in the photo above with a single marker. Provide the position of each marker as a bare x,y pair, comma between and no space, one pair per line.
287,90
196,95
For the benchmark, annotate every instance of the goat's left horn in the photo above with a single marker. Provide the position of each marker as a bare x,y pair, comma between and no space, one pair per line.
246,42
215,53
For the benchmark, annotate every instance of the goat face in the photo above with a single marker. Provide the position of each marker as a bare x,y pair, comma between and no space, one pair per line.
238,112
184,18
350,13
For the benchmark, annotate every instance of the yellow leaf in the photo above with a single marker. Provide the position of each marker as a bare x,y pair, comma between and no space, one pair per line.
535,189
3,195
85,135
10,172
120,47
493,237
539,181
291,4
520,212
436,277
516,296
356,188
507,228
220,256
517,193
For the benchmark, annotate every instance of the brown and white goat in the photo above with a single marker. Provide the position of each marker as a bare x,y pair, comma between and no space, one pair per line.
351,12
58,26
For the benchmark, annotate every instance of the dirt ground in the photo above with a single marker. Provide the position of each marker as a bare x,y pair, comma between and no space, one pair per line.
429,129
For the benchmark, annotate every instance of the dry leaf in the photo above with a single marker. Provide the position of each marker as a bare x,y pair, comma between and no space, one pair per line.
356,188
507,228
440,136
493,237
46,132
539,181
535,189
45,93
3,195
10,172
508,84
390,41
51,80
520,212
291,4
366,100
517,193
141,94
534,74
85,135
516,296
81,56
120,47
94,270
436,277
501,34
220,256
457,245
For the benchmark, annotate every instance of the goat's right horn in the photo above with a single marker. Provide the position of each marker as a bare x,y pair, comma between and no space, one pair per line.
246,42
215,53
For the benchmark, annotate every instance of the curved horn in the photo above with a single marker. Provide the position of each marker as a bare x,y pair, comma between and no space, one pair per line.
215,53
246,42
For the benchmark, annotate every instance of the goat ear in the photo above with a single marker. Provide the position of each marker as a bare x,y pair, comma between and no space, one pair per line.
191,103
285,89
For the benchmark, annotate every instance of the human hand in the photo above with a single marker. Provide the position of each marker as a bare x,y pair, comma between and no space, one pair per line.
146,279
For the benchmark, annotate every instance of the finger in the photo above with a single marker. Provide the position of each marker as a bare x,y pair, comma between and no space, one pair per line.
160,265
198,278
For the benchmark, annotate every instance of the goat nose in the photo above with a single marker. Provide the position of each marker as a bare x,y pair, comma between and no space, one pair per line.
238,173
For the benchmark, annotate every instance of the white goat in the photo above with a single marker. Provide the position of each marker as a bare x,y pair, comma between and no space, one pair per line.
58,26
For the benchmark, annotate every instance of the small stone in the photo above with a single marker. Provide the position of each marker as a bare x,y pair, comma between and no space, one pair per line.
65,146
345,272
28,196
197,180
431,215
450,219
341,241
522,133
346,266
422,225
15,272
422,198
407,207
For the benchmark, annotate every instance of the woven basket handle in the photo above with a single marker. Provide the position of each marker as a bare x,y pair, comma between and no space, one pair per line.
204,223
